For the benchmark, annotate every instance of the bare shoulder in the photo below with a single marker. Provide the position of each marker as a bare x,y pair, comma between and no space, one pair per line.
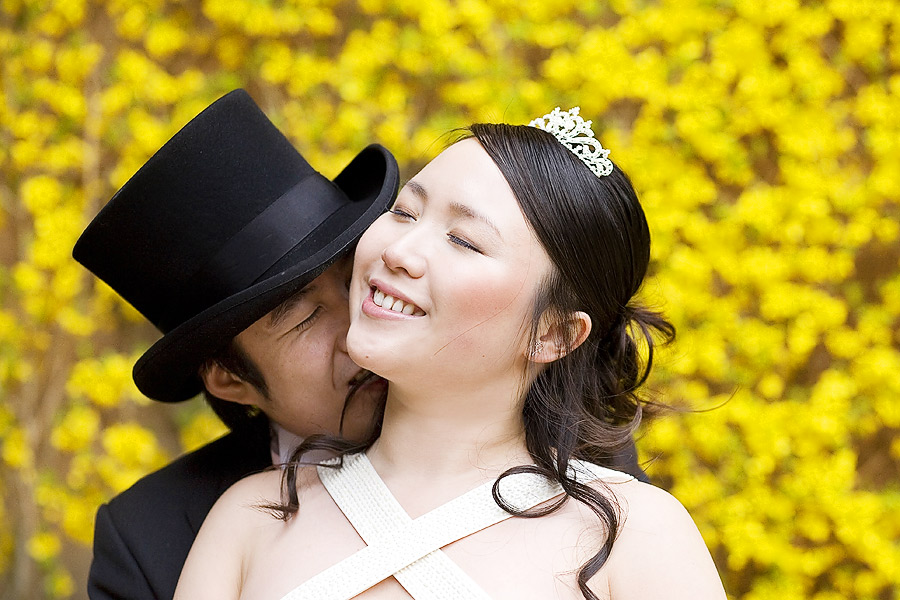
239,512
253,490
253,493
236,527
647,507
657,536
238,507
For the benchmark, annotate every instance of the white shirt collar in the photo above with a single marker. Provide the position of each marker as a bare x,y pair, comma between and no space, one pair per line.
283,444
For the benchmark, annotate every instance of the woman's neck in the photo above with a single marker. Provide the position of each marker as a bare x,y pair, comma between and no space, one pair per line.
460,437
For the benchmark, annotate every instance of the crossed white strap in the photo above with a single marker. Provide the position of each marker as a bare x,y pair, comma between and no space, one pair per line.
410,549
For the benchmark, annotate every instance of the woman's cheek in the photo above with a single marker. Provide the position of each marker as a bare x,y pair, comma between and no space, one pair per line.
490,298
368,244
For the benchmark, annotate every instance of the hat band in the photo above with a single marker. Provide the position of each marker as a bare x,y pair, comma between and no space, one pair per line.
256,247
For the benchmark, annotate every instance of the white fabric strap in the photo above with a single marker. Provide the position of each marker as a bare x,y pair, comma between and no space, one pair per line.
397,543
375,514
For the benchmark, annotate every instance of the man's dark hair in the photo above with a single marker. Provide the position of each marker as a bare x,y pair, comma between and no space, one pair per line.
233,359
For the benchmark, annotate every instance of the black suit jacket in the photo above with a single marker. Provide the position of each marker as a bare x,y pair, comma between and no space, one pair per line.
143,535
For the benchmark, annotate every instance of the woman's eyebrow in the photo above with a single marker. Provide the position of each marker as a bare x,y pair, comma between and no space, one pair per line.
417,189
467,211
456,208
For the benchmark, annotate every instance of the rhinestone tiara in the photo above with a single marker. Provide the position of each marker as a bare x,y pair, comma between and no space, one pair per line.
575,133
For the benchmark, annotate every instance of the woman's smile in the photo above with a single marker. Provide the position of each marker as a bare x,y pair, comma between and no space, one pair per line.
387,303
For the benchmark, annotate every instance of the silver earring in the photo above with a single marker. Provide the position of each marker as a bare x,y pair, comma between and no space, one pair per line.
536,348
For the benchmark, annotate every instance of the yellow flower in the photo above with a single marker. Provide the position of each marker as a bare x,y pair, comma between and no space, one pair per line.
66,282
132,24
81,470
106,381
55,234
44,546
319,22
77,429
78,520
231,51
75,322
201,429
115,99
164,38
73,64
16,451
132,446
41,194
38,56
60,584
277,65
863,39
771,386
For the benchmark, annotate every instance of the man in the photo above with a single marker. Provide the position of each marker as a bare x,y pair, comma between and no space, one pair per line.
235,248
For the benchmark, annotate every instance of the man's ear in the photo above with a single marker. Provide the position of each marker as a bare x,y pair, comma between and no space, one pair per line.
222,383
558,338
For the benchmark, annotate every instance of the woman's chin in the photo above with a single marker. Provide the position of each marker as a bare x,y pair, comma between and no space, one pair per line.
372,357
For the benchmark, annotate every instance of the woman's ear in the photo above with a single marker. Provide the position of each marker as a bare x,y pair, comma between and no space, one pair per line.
222,383
557,339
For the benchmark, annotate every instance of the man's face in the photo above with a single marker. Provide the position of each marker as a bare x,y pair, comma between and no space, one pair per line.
300,349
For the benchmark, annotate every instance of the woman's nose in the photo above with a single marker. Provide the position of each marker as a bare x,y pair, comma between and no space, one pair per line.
404,254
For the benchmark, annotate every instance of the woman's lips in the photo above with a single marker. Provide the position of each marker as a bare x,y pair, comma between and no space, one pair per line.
389,302
374,306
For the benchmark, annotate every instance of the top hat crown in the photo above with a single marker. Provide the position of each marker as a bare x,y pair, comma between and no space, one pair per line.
222,224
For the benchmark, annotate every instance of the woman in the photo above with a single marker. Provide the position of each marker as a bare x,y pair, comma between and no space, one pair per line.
496,297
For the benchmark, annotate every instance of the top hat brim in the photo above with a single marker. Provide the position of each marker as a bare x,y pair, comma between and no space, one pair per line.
168,371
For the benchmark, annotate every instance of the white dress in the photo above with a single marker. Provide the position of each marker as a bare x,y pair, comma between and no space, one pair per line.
410,549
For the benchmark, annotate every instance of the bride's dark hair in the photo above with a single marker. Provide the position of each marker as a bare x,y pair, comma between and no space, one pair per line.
584,405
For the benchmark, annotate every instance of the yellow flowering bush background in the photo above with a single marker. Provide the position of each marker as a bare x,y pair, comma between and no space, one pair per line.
763,137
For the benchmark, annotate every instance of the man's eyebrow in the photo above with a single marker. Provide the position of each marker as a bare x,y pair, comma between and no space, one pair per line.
278,314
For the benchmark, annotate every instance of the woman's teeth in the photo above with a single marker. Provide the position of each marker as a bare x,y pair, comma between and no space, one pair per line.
396,305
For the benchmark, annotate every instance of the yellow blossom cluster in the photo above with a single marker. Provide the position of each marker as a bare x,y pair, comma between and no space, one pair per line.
763,137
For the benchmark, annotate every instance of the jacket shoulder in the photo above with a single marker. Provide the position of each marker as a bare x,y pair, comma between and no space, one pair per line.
196,478
143,535
199,476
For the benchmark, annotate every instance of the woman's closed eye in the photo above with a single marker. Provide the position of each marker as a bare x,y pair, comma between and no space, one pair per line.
402,213
463,243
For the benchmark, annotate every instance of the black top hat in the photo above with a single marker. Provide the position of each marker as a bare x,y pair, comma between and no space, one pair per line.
221,225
